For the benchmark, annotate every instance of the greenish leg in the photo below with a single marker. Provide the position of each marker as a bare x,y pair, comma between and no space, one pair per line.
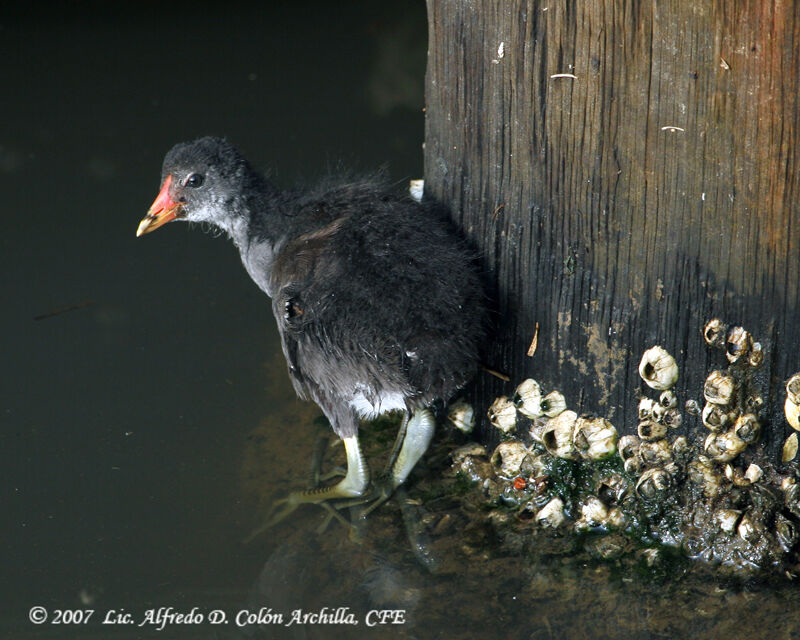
353,485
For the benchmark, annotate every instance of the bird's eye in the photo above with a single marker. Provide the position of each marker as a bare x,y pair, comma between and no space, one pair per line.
195,180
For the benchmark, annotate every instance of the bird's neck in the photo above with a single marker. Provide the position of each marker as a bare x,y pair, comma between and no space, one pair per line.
261,230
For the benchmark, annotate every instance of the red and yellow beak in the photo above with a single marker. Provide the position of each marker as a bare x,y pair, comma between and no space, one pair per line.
163,210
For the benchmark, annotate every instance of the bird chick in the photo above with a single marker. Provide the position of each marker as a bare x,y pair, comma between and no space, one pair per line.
378,302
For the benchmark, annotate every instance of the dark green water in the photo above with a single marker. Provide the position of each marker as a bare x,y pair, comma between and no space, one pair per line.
138,424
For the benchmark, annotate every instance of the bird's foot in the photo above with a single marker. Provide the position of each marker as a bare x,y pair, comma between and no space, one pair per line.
352,486
284,507
380,490
336,472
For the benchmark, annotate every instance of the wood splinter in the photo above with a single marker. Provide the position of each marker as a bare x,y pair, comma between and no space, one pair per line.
534,342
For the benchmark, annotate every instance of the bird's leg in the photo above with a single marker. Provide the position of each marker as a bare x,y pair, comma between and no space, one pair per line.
416,440
412,442
398,442
317,457
353,485
321,445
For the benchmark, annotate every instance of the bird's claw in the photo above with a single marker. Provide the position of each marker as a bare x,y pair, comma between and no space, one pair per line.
381,489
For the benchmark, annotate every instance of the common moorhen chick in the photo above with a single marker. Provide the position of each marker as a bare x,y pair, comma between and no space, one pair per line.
378,303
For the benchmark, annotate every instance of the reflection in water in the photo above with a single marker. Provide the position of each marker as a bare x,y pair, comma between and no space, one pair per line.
483,581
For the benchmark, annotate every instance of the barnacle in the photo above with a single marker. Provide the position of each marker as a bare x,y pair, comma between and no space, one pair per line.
528,398
737,344
594,437
503,415
557,435
658,369
461,416
714,332
719,388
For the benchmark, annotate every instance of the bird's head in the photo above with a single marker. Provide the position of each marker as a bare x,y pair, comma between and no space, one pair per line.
201,181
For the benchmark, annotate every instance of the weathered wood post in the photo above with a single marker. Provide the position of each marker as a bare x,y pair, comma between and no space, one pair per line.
628,171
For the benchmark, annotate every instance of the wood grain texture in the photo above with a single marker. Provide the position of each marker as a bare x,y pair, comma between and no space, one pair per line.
624,207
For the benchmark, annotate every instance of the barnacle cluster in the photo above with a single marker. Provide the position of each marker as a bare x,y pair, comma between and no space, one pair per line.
691,477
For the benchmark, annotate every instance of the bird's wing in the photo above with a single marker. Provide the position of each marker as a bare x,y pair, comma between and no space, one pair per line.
296,261
293,269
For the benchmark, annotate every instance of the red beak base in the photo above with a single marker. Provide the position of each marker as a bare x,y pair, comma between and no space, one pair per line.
164,209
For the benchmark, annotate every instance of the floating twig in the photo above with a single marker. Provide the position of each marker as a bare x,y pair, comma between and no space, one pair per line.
564,75
57,312
496,374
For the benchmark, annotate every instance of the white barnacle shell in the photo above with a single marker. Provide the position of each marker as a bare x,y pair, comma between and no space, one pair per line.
507,457
469,450
461,416
612,488
747,428
594,437
680,445
703,473
786,532
652,483
552,514
632,465
553,404
537,429
692,407
616,518
655,452
789,449
658,412
748,529
628,447
736,476
593,514
535,465
528,398
557,435
727,519
793,388
738,343
715,417
646,408
503,415
754,402
649,430
672,419
714,332
724,447
753,472
719,388
792,412
668,399
658,369
756,356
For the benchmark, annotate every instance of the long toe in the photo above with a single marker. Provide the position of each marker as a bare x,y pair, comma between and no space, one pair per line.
278,512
